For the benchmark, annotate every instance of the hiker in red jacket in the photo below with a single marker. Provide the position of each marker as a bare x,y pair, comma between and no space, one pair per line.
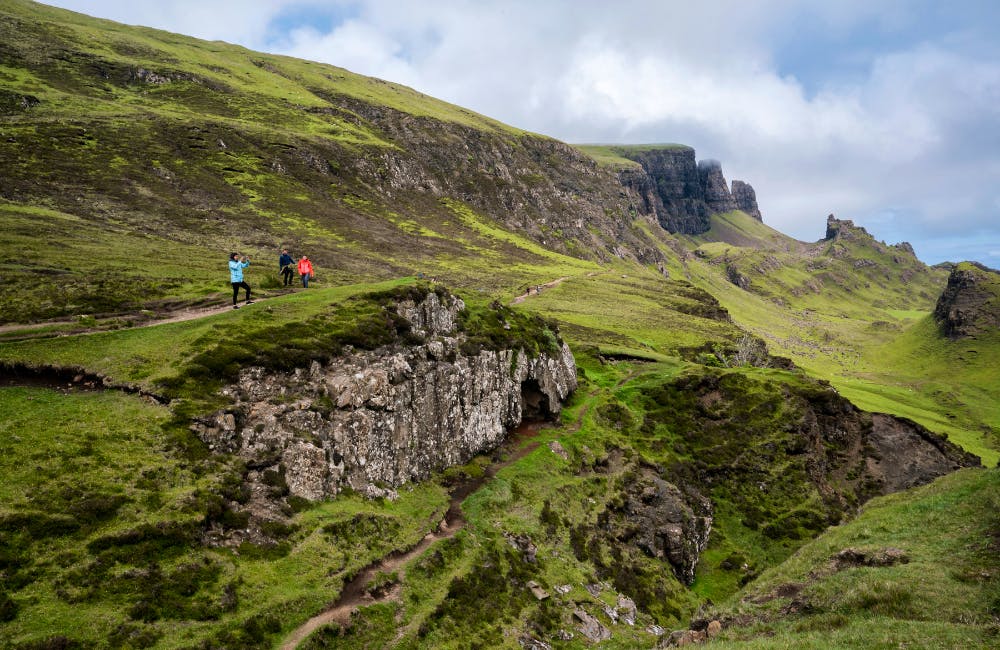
305,270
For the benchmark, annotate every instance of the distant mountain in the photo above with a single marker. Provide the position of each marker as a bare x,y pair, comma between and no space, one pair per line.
681,192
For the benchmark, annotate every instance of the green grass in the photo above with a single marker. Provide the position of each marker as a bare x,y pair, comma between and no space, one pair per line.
738,229
870,335
106,494
945,596
72,495
146,355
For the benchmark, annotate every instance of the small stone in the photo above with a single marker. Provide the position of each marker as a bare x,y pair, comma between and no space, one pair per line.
537,591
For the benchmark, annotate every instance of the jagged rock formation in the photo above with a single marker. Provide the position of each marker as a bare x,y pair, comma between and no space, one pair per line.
713,184
809,446
682,193
844,229
746,199
662,521
374,420
970,304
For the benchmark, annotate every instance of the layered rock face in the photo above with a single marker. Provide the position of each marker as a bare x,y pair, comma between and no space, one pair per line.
374,420
680,191
970,304
718,198
746,199
663,522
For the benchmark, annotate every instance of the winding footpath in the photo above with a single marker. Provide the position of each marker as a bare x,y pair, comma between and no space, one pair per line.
20,331
355,593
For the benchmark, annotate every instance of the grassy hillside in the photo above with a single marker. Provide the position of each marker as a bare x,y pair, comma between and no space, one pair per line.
613,155
918,569
77,526
134,160
857,313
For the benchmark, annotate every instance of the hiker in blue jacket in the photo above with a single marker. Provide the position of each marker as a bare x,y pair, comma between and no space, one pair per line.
236,267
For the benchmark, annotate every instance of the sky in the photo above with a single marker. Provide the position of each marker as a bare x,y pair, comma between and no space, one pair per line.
886,112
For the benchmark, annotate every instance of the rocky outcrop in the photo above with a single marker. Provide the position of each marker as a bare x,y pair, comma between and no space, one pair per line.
746,199
682,193
373,420
844,229
905,454
663,521
713,184
534,185
970,304
814,457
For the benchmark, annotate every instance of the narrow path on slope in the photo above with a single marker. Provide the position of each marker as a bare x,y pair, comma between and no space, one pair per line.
133,320
21,331
534,290
537,289
355,593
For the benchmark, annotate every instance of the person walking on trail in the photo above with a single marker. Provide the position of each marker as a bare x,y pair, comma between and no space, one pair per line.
305,270
285,263
236,266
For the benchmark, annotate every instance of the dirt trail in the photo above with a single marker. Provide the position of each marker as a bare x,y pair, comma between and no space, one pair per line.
355,594
10,331
533,292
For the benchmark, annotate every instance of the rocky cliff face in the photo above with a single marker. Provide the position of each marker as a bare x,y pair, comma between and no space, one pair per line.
661,520
681,192
530,184
970,304
746,199
374,420
815,458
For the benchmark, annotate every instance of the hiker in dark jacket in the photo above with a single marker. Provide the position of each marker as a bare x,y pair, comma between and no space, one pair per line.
285,263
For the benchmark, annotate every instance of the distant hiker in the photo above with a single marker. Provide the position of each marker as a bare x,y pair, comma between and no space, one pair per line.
236,267
305,270
285,263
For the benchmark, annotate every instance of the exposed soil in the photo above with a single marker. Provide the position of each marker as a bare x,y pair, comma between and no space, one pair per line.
534,291
61,379
355,593
65,380
165,313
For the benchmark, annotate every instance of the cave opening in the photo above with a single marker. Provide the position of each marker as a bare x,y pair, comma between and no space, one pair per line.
535,405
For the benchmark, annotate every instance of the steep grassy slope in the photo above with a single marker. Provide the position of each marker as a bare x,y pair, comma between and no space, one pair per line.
918,569
135,160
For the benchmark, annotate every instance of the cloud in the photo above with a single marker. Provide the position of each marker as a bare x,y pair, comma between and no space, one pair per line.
235,21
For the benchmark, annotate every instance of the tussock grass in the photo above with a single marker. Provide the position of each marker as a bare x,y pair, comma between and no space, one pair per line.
944,596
